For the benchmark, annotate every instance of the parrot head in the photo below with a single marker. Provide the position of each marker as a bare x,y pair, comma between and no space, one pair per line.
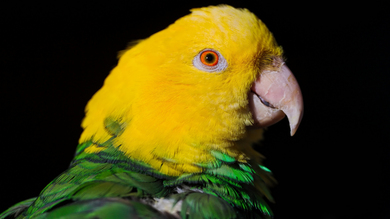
195,87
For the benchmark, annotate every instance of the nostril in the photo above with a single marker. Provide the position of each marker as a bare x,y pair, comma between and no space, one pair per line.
267,104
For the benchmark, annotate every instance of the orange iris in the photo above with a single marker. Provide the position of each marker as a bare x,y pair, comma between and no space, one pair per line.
209,58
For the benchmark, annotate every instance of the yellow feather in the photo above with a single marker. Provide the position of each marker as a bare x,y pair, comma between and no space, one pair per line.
175,113
94,148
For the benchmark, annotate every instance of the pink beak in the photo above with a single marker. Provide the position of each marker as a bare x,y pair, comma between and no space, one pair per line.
275,94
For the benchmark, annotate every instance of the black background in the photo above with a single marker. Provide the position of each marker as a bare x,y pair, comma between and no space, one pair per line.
55,57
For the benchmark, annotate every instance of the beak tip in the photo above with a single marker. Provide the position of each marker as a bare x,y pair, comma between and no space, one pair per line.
295,124
293,130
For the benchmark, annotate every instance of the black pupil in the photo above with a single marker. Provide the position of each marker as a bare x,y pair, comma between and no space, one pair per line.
210,58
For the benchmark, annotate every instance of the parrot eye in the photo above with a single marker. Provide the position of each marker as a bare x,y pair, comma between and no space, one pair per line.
210,60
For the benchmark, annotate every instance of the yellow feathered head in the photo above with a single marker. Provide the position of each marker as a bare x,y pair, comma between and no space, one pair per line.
194,87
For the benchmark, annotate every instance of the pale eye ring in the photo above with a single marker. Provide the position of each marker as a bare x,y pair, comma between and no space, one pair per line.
210,60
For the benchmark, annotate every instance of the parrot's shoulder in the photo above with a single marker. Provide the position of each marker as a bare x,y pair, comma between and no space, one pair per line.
100,175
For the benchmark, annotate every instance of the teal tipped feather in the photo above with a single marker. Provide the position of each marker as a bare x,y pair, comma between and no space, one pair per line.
223,157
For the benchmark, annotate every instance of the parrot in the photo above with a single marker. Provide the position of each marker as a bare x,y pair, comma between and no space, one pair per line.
170,134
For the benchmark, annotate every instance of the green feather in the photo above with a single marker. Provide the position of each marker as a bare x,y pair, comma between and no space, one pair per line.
246,167
104,209
232,174
224,157
213,164
17,208
99,189
200,205
265,168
